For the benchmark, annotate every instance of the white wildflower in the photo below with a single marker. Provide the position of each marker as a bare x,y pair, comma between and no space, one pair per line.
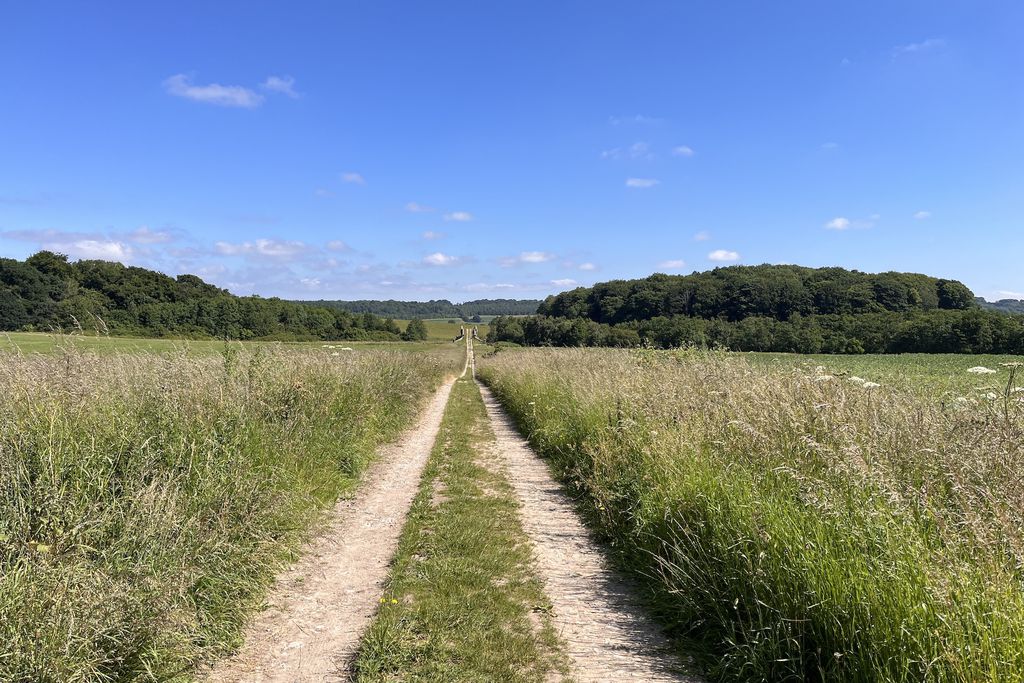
824,378
871,385
858,380
991,395
980,370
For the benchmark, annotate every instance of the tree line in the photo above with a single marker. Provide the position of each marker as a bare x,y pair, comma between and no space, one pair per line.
436,308
48,292
772,308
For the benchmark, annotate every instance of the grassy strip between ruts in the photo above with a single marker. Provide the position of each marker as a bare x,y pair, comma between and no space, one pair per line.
146,500
463,603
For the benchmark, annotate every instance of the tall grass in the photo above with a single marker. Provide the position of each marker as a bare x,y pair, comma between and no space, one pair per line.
146,500
794,525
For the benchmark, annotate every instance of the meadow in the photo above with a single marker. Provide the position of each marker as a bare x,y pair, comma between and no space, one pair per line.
798,518
147,499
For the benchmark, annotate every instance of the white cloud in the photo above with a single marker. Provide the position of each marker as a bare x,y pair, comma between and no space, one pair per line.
459,216
637,118
337,245
682,151
587,266
924,45
310,282
439,259
702,236
106,250
723,255
838,223
353,177
414,207
641,183
285,85
181,85
921,215
433,235
673,264
262,247
1006,294
526,257
535,256
564,282
487,287
143,235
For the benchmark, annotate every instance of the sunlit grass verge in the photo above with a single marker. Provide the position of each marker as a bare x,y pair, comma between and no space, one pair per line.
794,525
146,500
462,603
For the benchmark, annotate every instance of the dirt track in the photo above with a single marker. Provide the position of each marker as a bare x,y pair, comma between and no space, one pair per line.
319,608
605,631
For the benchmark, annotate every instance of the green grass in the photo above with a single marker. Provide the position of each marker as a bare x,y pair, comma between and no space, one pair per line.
148,499
442,329
932,373
462,603
792,524
39,342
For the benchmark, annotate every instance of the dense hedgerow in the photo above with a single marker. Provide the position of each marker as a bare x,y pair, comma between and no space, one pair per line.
795,525
146,500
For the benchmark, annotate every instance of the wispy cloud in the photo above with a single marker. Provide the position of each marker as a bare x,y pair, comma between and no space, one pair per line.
673,264
587,266
433,235
439,259
923,46
338,245
639,119
922,215
270,248
488,287
838,223
459,216
353,178
284,85
641,183
143,235
702,236
526,257
181,85
829,146
682,151
723,255
1007,294
638,150
841,223
564,282
415,207
322,193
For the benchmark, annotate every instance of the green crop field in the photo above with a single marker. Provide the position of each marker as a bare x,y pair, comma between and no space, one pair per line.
446,329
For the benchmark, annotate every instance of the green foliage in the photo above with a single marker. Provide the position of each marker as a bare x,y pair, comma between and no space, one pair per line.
772,308
46,292
416,330
437,308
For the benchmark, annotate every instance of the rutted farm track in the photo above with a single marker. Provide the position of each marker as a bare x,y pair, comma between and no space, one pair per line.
319,609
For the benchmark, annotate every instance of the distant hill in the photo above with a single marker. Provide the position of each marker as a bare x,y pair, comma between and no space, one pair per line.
1003,305
773,308
47,292
437,308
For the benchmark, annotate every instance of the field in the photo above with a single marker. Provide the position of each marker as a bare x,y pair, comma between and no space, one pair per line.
794,518
446,329
147,499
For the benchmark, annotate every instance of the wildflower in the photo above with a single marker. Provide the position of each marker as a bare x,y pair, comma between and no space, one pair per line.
980,370
824,378
991,395
858,380
871,385
1017,390
532,403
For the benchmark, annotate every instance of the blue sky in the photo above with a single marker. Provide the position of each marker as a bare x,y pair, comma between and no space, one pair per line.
466,149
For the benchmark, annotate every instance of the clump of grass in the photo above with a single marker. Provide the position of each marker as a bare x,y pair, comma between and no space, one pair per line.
462,603
794,524
146,500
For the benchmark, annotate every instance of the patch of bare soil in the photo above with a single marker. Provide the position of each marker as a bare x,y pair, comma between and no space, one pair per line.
319,608
595,610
